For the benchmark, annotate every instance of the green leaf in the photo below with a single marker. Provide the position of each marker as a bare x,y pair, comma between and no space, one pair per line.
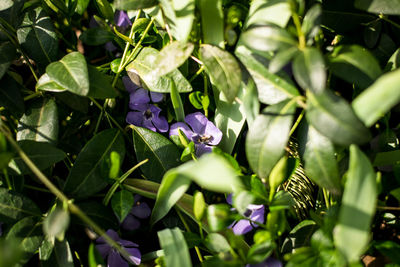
387,158
43,155
312,21
101,215
388,7
267,38
162,153
211,171
10,95
91,168
150,189
179,15
81,6
177,103
7,55
318,154
122,203
94,257
281,59
96,36
144,65
38,38
272,88
40,122
223,69
47,84
172,56
394,61
333,117
28,234
260,252
100,84
390,249
309,70
217,243
15,206
56,223
105,9
176,253
352,232
61,256
134,4
212,22
71,73
372,32
272,11
268,136
299,236
379,98
219,217
199,205
355,64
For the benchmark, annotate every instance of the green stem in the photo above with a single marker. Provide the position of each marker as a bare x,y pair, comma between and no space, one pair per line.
326,198
197,74
31,96
107,114
60,195
5,172
188,229
299,118
300,34
383,17
36,188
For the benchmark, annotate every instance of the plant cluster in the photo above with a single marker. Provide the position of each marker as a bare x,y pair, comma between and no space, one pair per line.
186,133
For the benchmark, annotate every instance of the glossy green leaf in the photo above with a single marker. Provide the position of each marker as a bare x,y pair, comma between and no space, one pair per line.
134,4
40,122
38,38
81,6
122,203
211,171
90,170
6,4
96,36
43,155
352,232
179,15
299,236
10,95
281,59
47,84
177,103
176,252
223,69
272,88
105,9
71,73
212,22
56,223
333,117
61,255
28,234
309,70
162,153
388,7
94,256
268,136
272,11
100,84
217,243
15,206
7,55
394,61
260,252
355,64
144,65
379,98
219,217
318,154
312,21
267,38
172,56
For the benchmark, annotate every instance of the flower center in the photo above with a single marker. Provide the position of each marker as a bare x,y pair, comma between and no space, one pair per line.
203,139
148,114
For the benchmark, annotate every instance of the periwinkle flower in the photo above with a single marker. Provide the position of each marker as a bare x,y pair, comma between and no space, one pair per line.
270,262
254,213
144,114
202,132
114,259
121,19
140,210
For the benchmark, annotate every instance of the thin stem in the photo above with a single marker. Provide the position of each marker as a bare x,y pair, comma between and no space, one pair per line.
383,17
60,195
299,118
5,172
388,208
300,34
37,188
107,114
31,96
188,229
197,74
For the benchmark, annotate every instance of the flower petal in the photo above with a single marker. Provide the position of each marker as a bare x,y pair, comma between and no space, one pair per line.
258,216
161,123
135,118
115,260
173,130
202,149
103,249
130,86
229,199
213,131
197,121
128,244
121,19
130,223
156,97
141,211
135,255
109,46
140,96
111,233
149,125
242,227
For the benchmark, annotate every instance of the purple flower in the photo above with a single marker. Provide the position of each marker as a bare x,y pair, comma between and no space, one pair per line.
270,262
254,213
140,210
144,114
121,19
114,259
202,132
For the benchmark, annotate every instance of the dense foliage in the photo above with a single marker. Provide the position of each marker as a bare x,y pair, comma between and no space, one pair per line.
185,133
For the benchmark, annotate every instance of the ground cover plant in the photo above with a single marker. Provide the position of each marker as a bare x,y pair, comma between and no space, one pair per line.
186,133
